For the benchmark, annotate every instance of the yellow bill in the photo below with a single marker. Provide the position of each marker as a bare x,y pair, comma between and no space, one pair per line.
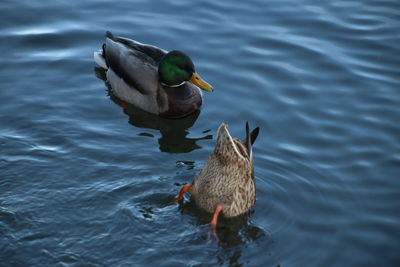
199,82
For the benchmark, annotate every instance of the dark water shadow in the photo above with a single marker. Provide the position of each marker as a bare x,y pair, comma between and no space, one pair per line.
173,131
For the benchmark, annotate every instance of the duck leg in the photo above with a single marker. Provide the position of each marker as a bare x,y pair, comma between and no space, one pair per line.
213,223
184,189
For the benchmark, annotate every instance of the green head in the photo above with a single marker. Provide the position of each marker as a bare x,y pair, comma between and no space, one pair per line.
176,68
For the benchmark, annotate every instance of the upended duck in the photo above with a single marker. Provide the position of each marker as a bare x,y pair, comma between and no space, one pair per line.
150,78
226,183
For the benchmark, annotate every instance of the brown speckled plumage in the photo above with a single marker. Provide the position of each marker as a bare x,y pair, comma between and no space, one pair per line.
227,179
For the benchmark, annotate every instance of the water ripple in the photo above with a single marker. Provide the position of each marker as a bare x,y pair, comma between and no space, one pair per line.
85,182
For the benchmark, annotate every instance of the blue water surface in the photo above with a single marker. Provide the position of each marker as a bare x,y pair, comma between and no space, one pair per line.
85,182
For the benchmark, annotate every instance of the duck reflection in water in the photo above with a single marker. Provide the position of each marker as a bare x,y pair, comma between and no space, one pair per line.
173,131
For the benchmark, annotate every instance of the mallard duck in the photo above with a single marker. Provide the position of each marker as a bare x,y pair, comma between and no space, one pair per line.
226,182
160,82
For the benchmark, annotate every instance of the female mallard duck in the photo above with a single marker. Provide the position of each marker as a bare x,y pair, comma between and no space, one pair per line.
226,182
148,77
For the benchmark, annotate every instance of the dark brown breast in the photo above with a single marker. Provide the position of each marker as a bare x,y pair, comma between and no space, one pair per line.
182,100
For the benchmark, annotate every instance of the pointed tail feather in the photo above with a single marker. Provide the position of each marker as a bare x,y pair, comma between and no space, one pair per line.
250,137
254,135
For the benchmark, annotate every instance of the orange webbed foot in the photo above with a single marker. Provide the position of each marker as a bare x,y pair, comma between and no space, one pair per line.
184,189
214,221
209,231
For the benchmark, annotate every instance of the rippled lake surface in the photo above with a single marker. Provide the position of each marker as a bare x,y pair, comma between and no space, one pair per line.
85,183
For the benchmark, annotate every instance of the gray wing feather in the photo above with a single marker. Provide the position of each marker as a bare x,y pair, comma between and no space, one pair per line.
135,63
151,51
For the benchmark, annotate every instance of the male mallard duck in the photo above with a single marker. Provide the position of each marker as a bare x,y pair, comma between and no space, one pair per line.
160,82
226,182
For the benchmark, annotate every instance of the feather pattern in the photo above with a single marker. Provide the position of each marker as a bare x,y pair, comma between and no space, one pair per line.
227,178
132,72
